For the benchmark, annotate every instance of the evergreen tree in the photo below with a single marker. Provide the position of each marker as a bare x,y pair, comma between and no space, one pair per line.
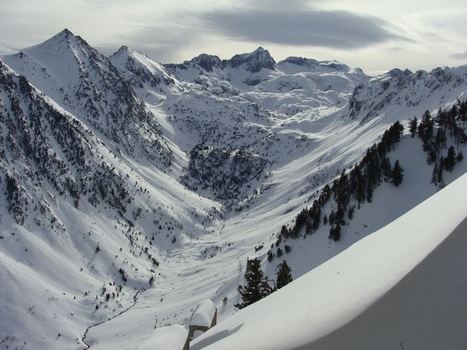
350,212
440,138
284,232
462,111
386,166
413,126
335,232
440,171
279,252
450,160
397,174
369,192
256,286
284,275
434,175
425,128
460,156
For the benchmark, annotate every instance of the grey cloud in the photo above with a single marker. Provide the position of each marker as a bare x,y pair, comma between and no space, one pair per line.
460,55
161,44
302,26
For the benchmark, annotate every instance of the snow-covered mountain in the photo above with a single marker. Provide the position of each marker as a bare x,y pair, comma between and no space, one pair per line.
86,84
133,189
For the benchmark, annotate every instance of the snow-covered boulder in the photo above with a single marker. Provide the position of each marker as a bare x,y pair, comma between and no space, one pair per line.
203,318
167,338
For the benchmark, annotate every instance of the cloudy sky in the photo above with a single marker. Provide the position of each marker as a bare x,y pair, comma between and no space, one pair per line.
373,35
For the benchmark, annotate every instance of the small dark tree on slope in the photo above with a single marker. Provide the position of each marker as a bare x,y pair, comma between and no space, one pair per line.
397,174
284,275
450,160
256,286
413,126
335,232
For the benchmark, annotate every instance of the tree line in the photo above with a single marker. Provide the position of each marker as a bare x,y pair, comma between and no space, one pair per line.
434,132
351,189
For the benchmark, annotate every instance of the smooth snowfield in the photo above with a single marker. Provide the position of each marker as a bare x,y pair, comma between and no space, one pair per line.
402,287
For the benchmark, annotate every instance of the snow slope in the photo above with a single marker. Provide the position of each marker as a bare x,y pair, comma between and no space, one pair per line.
402,287
82,230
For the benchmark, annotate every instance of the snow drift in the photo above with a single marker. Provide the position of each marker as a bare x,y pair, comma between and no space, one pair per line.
403,287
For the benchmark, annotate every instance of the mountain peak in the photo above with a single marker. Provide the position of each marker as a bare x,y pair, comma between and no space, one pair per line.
65,38
261,49
300,61
66,32
207,62
255,61
123,50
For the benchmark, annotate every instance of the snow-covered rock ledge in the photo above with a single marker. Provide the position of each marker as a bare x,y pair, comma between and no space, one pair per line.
402,287
167,338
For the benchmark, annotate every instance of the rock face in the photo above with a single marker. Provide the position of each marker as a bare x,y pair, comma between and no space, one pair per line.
255,61
207,62
252,62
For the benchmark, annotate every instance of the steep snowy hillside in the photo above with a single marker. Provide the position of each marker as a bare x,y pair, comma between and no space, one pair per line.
82,231
402,287
132,190
86,84
398,93
145,75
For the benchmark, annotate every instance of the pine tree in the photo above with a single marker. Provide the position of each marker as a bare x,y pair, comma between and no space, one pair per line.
397,174
425,128
439,180
335,232
386,166
440,138
256,286
434,175
450,160
284,275
279,252
413,126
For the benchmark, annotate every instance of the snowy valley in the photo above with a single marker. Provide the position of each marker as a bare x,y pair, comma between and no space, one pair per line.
132,190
